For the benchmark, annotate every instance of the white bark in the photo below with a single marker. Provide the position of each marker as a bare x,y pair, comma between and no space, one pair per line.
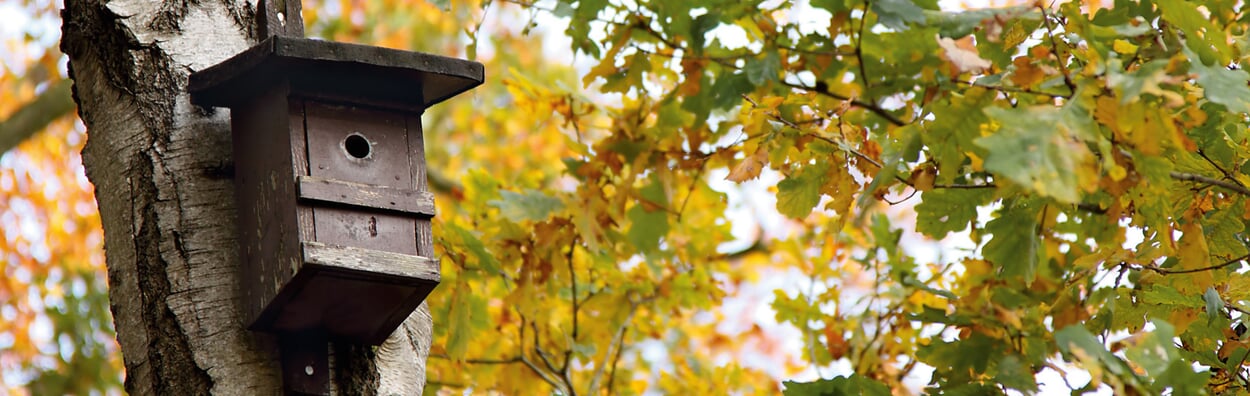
163,175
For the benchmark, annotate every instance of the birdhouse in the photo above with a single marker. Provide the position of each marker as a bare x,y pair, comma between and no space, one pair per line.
330,176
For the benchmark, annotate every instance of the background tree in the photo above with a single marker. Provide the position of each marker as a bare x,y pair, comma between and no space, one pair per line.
1091,160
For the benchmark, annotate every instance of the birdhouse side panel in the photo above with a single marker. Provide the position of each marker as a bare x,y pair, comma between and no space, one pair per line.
416,148
266,196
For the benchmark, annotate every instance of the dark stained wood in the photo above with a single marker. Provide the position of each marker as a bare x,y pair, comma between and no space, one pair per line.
299,157
409,80
388,162
305,362
290,23
416,149
265,193
353,294
365,229
365,195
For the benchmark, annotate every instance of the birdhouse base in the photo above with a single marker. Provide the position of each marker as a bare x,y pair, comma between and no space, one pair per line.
354,294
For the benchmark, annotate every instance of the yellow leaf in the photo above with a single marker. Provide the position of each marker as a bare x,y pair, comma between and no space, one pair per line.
1124,47
922,178
1194,255
1182,318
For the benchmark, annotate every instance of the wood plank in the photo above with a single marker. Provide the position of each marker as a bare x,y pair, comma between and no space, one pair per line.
369,196
372,263
299,161
416,154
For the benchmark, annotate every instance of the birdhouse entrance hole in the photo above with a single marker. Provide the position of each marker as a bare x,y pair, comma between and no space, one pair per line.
357,146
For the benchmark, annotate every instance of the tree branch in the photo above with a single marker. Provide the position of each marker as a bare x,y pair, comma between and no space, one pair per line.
1190,177
875,109
54,102
511,360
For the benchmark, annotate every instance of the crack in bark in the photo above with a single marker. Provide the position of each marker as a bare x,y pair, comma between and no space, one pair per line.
169,350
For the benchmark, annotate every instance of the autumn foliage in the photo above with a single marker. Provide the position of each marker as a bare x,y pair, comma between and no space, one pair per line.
867,196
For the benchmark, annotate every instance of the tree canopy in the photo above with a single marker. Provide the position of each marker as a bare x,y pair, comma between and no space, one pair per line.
963,202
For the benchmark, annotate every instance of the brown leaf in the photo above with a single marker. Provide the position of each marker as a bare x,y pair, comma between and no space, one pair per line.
835,342
922,178
749,168
963,55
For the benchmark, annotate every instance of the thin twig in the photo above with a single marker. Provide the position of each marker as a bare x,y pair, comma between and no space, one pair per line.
1010,89
1167,271
1054,45
544,375
1227,175
568,353
859,45
542,355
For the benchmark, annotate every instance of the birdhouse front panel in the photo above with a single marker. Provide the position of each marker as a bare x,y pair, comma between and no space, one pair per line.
371,147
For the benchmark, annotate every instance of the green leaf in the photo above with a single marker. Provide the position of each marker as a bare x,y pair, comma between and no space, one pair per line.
799,193
579,26
1164,363
1168,296
468,316
649,218
444,5
1145,79
943,211
838,386
634,68
1224,86
956,124
727,91
1075,340
466,238
960,358
1201,35
1014,247
699,28
532,205
833,6
896,14
761,71
1016,375
1214,304
1036,149
962,23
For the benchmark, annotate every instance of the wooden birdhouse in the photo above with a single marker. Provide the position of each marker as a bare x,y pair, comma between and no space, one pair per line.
330,176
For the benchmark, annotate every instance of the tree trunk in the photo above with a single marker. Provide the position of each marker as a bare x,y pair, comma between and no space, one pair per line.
163,175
